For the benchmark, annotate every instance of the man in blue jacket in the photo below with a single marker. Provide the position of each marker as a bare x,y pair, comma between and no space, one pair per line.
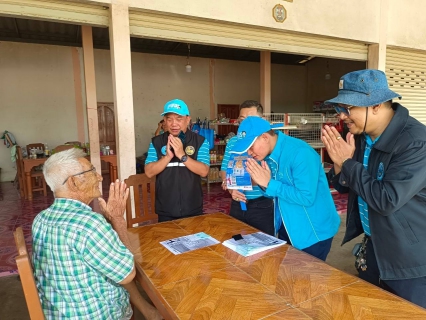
291,172
382,165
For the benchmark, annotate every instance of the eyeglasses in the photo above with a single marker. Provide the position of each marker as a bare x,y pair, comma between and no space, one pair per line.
93,169
345,110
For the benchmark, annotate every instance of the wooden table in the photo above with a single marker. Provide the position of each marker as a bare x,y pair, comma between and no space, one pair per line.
282,283
31,163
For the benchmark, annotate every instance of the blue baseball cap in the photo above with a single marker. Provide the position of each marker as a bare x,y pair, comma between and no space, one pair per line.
176,106
363,88
249,130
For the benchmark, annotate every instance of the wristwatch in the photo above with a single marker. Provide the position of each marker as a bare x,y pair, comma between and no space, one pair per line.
184,158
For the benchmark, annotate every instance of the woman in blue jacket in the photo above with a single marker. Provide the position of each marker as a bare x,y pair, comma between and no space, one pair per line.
291,172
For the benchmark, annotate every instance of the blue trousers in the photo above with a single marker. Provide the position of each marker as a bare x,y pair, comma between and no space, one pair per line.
319,250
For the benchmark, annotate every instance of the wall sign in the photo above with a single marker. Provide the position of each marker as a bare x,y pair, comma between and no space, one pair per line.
279,13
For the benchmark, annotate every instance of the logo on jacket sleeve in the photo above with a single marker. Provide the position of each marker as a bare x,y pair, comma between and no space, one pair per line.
380,171
189,150
163,150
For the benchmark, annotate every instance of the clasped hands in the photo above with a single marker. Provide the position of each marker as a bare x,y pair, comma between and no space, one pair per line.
338,149
114,208
177,145
260,173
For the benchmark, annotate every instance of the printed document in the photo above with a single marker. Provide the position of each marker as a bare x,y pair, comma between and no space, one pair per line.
253,243
189,243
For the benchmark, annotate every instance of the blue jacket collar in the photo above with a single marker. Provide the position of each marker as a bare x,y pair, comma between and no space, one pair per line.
276,153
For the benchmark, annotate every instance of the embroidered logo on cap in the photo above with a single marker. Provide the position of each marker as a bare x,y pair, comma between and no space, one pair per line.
189,150
173,106
340,84
241,135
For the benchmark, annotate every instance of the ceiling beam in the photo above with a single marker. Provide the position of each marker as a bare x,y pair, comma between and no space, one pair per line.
66,11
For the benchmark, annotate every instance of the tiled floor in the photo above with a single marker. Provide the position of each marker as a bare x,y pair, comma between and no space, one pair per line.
15,212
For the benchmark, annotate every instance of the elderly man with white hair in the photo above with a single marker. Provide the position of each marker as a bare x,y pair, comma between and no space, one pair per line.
81,261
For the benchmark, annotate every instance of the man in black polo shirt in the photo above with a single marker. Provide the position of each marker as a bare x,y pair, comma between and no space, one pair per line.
179,158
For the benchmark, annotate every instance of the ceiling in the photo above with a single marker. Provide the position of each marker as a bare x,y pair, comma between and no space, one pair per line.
55,33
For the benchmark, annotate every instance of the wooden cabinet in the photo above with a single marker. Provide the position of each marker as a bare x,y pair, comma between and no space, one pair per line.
106,123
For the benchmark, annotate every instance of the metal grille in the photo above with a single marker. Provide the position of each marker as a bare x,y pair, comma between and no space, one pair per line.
275,118
304,126
309,127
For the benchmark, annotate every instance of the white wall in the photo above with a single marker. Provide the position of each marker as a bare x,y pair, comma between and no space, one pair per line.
37,100
407,24
336,18
236,81
289,88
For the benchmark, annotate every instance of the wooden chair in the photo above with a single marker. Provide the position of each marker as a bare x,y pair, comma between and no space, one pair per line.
62,147
27,277
142,200
37,178
38,182
34,146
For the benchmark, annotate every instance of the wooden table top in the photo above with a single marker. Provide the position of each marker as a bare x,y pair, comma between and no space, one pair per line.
283,283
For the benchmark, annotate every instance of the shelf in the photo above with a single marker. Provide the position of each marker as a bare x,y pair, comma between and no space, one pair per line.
215,181
224,124
215,164
211,181
220,144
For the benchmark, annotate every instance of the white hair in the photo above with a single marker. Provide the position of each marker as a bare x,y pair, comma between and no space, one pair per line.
60,166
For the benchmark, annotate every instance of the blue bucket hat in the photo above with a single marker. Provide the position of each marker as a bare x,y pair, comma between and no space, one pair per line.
176,106
248,131
363,88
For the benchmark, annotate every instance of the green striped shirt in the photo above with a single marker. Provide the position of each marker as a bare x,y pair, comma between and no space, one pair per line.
78,261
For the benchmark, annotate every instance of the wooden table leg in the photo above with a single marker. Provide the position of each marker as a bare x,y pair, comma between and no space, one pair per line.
29,186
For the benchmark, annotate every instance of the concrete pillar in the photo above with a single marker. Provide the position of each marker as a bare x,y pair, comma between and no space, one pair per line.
265,80
91,100
377,51
119,35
